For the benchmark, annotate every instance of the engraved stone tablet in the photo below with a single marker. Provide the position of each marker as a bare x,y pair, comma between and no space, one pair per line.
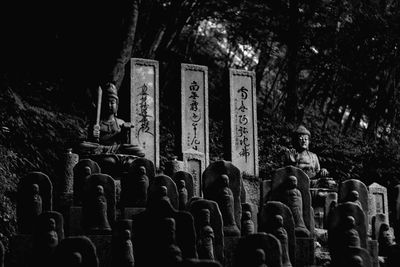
144,107
243,107
194,94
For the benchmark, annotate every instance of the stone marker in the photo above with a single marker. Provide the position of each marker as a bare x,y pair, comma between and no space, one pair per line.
265,189
99,200
146,226
211,178
134,188
172,190
194,111
195,163
246,250
122,250
280,233
377,221
254,213
243,110
195,207
345,192
76,251
144,107
379,193
330,200
205,239
68,162
82,170
338,225
188,178
280,182
267,217
34,195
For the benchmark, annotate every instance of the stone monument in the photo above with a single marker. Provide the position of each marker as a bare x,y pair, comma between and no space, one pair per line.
243,110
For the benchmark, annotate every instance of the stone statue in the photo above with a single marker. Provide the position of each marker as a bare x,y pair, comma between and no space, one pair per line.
110,134
98,212
225,202
141,187
205,242
301,157
170,252
123,256
247,224
356,261
183,194
51,236
350,236
37,206
259,258
354,197
385,240
280,233
293,199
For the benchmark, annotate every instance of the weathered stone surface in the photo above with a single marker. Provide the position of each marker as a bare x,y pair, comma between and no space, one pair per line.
42,219
76,249
29,204
194,162
82,170
172,190
354,256
211,176
266,221
247,246
194,207
90,195
336,227
188,178
377,221
243,110
279,181
380,195
330,202
373,252
66,172
265,189
144,107
345,189
146,225
134,188
254,213
194,111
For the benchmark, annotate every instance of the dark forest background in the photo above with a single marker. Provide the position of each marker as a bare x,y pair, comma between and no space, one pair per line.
332,65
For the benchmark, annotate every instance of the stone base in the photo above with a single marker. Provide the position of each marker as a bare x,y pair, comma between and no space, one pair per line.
20,253
373,252
305,251
103,248
230,243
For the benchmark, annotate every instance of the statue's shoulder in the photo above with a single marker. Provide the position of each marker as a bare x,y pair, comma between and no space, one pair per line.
119,121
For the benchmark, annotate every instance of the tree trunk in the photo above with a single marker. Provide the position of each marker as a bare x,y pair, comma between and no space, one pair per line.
118,71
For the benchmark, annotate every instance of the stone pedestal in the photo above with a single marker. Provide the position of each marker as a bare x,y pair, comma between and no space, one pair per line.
103,248
305,251
230,244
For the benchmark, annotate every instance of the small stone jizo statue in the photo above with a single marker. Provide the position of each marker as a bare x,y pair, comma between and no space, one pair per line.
293,199
247,224
205,242
226,204
183,194
98,212
280,232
